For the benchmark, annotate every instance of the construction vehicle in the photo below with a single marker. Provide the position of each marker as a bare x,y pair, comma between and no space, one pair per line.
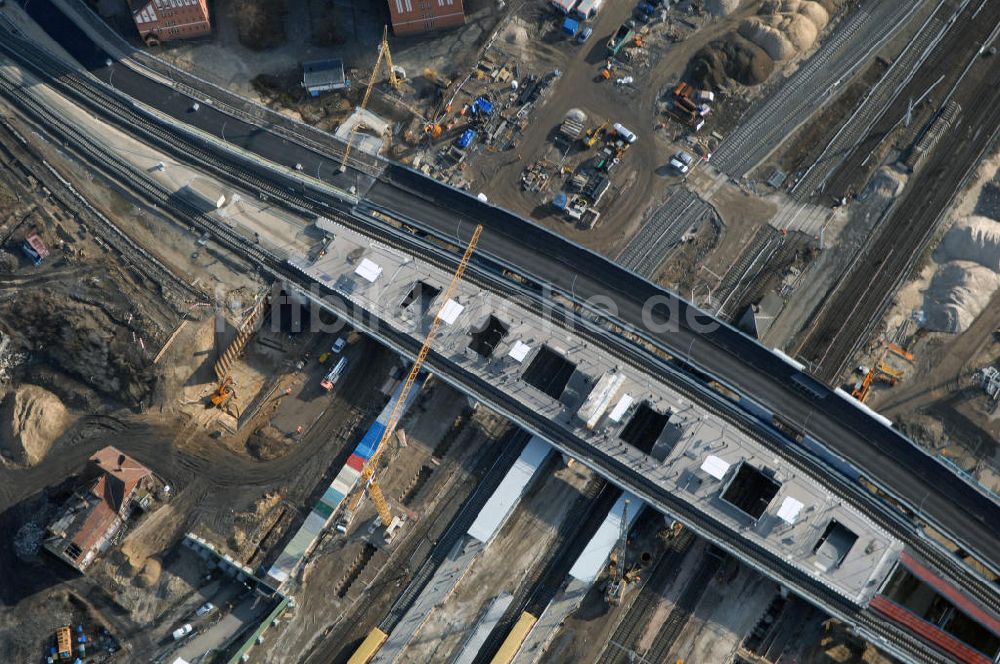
331,378
223,392
594,135
615,590
383,56
880,370
368,484
621,38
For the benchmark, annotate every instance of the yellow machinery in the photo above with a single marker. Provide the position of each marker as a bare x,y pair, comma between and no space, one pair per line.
594,135
383,56
224,390
368,482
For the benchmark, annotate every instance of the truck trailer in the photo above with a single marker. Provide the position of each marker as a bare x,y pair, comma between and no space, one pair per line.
618,41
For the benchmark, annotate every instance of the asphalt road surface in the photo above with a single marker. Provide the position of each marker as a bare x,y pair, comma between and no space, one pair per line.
750,368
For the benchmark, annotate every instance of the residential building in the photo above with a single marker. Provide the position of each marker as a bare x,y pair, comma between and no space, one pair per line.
411,17
110,486
163,20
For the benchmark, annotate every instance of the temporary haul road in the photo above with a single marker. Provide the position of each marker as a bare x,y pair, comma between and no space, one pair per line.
880,453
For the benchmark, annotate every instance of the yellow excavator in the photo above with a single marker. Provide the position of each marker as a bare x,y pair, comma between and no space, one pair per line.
368,483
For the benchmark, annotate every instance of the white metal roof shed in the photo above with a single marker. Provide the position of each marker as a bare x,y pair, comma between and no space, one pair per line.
509,491
588,566
519,351
715,466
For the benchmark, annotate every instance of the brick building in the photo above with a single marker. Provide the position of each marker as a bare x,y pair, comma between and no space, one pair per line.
411,17
112,484
162,20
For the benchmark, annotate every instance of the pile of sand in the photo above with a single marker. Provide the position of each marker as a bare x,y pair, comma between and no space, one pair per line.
974,239
730,59
31,419
772,40
887,184
150,573
958,293
781,30
968,277
786,29
515,33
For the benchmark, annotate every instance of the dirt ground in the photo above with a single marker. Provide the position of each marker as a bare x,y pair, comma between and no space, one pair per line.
503,566
938,402
349,582
315,30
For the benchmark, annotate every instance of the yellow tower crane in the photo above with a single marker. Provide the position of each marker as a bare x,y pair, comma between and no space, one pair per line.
383,56
368,482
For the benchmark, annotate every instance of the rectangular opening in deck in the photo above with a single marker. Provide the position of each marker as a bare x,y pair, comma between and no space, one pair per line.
751,490
644,428
549,372
486,339
422,294
833,546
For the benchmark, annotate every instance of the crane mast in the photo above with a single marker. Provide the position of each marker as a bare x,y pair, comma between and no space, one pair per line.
368,482
383,56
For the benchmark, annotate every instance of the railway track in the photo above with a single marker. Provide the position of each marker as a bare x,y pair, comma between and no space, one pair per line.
875,104
180,292
856,306
541,585
458,526
647,251
634,622
776,117
749,266
686,604
482,274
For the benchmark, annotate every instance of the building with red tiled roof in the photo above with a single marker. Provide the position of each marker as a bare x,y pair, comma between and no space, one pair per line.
90,519
411,17
163,20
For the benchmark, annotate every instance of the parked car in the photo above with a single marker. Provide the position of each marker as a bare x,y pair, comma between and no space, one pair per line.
682,162
205,609
182,631
584,35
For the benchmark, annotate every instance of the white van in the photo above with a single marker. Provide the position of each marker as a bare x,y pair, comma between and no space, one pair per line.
626,135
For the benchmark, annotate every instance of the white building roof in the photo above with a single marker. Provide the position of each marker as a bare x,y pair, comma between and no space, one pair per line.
450,311
368,270
715,466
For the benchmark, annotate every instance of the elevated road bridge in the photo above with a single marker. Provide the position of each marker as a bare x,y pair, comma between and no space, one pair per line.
651,331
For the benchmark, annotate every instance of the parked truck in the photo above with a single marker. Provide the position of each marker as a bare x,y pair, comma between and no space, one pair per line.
620,39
